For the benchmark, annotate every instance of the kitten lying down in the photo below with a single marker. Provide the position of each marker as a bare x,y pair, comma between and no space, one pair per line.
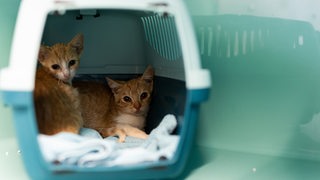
118,108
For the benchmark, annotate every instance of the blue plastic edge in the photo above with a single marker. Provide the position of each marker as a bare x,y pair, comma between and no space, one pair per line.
27,132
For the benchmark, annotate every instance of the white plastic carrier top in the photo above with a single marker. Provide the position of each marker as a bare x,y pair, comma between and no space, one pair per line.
19,75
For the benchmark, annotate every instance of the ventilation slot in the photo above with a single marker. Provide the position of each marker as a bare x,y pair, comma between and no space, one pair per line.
161,34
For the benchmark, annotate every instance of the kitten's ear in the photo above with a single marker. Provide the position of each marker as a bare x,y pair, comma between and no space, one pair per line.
43,53
114,85
148,74
77,43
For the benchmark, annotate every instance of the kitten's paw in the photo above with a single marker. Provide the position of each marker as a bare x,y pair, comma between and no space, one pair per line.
122,139
139,134
144,136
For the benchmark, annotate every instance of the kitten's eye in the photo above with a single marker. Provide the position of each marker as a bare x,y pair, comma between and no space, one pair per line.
143,95
55,66
127,99
72,62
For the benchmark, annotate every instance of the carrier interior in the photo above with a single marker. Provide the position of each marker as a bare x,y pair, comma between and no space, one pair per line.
120,44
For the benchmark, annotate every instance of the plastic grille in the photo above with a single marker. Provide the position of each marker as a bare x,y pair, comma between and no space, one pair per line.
161,34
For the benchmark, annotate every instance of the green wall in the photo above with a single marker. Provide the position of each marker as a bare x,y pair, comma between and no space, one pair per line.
8,15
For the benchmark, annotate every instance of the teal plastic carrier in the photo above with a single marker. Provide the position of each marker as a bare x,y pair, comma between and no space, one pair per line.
121,37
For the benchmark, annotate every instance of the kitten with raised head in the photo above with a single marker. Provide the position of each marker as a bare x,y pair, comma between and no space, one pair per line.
118,107
57,103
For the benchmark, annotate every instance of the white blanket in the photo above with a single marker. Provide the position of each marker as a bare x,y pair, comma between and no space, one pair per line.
89,149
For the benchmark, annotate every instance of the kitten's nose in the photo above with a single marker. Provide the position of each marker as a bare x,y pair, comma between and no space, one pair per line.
137,106
66,75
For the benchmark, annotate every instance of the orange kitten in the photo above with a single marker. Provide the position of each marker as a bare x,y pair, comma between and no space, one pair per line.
119,108
57,103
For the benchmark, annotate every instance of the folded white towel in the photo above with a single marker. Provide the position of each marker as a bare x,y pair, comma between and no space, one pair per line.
67,148
90,150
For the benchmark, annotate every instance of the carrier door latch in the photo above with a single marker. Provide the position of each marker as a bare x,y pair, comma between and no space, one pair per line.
160,8
89,12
